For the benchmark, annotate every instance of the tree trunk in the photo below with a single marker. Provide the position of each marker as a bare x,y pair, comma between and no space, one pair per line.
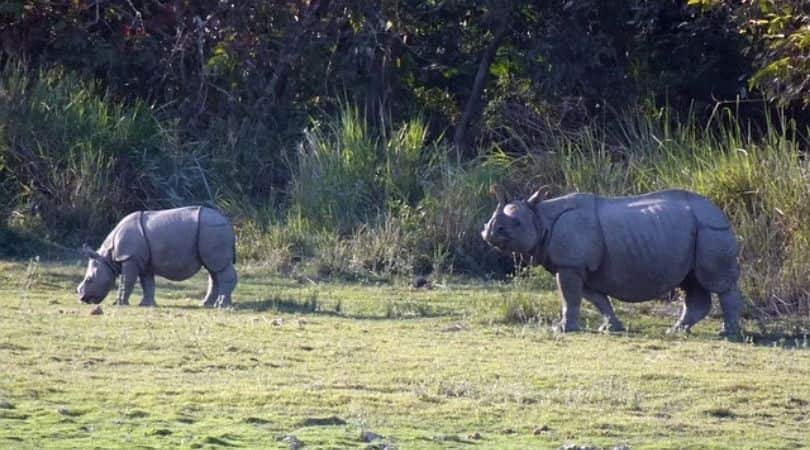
386,50
472,109
292,42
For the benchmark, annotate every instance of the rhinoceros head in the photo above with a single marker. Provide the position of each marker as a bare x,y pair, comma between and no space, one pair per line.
513,225
98,280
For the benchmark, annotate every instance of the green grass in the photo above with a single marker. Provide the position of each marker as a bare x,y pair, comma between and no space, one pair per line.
423,368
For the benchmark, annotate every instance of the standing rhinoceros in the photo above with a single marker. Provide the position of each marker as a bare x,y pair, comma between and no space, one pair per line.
172,243
631,248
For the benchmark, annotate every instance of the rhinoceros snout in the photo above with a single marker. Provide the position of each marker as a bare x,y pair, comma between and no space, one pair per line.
91,300
493,235
85,297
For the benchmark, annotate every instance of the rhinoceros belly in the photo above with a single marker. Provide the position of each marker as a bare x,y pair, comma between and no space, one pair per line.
172,236
649,246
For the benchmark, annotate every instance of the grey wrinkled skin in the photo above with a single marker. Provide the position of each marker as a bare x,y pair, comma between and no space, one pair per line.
633,249
171,243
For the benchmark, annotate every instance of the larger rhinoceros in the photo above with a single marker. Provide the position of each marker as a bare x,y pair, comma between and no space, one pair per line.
172,243
634,249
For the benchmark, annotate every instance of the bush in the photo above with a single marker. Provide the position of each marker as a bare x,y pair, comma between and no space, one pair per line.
76,159
348,173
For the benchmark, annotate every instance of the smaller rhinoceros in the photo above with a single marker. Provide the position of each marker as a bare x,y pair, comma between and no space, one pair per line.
634,249
172,243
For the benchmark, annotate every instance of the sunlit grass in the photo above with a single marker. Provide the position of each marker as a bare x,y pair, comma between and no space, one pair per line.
423,368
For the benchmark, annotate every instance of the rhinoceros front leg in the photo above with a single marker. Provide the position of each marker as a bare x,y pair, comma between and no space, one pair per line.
129,273
148,286
602,303
570,285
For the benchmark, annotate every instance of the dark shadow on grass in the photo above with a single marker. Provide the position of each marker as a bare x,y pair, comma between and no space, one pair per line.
283,306
220,441
446,439
322,421
794,340
313,307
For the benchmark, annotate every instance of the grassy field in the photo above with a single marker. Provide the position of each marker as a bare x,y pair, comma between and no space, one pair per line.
327,362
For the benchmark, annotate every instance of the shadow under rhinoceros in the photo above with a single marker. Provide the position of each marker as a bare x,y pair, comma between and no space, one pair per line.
314,307
282,305
799,340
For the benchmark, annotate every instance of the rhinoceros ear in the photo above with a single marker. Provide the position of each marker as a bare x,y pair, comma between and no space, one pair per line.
89,252
500,193
539,195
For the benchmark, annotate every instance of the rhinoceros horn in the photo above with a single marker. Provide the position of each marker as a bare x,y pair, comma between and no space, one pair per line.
540,195
500,193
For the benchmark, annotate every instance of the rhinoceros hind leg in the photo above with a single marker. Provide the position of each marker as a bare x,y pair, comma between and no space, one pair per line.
696,306
602,303
226,280
731,302
212,292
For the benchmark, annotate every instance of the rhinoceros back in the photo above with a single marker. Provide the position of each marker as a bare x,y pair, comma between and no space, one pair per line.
171,237
181,240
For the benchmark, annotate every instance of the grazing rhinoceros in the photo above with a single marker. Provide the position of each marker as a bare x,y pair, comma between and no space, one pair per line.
631,248
172,243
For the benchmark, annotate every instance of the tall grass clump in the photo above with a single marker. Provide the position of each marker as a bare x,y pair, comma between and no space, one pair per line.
762,181
456,205
75,158
336,182
387,199
348,173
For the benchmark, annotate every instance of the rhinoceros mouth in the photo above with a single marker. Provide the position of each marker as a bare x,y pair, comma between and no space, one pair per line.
497,240
91,300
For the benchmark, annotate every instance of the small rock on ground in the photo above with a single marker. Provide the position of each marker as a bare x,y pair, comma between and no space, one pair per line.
592,447
64,411
455,327
293,442
369,436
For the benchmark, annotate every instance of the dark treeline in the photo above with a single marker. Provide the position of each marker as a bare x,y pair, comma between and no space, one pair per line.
363,135
258,69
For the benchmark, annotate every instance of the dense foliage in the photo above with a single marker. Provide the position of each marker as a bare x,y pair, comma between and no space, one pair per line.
254,70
